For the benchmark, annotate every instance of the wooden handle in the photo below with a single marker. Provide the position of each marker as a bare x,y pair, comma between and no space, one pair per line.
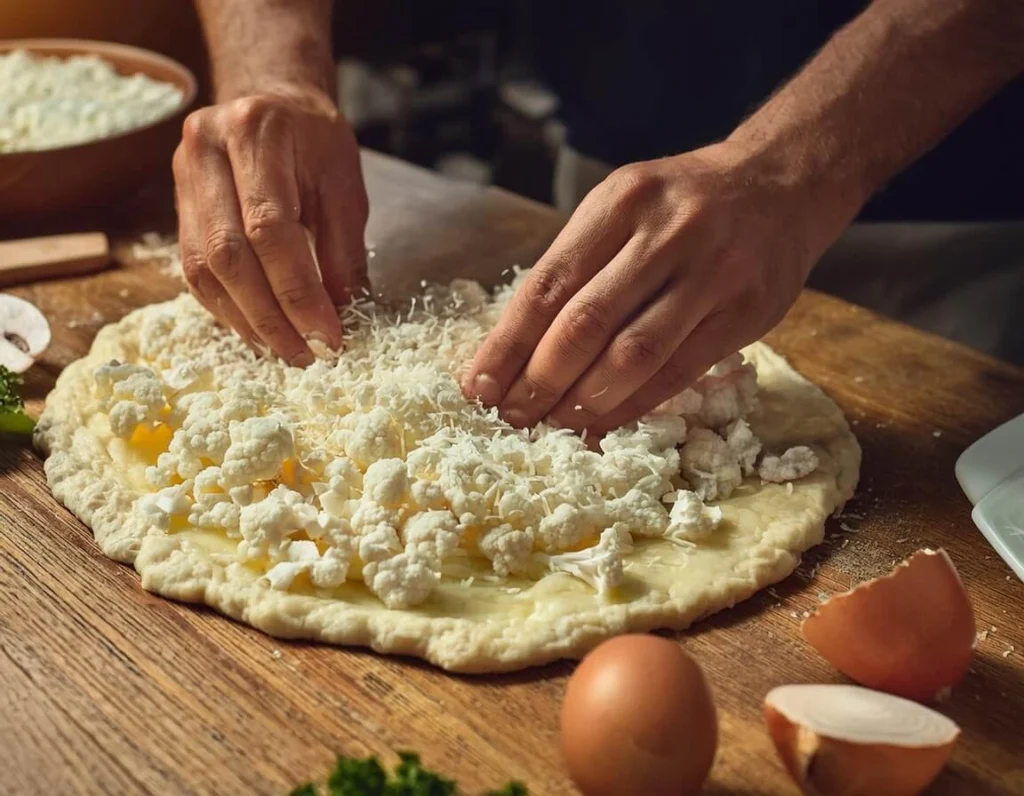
53,256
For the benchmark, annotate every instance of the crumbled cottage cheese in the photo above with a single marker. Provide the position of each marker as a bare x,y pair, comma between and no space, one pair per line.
373,467
48,102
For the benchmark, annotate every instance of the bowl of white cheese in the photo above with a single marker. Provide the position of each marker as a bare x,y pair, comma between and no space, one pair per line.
84,123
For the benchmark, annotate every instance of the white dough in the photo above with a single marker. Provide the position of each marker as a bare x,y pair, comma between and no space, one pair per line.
336,436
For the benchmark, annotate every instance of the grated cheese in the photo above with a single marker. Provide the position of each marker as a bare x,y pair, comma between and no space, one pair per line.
50,102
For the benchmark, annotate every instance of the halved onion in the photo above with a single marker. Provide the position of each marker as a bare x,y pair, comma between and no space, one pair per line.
844,740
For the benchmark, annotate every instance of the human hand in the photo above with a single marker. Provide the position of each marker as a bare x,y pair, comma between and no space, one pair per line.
667,267
255,177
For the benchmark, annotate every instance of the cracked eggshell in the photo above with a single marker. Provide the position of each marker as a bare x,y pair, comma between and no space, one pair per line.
24,333
909,633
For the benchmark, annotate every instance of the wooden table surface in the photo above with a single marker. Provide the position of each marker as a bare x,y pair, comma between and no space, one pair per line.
107,689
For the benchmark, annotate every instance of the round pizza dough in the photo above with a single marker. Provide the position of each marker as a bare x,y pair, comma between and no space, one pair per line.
475,623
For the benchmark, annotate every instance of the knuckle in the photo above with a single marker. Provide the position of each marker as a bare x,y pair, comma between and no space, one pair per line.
585,322
510,348
638,351
268,326
633,182
263,219
223,253
192,268
195,127
248,113
547,289
537,389
298,295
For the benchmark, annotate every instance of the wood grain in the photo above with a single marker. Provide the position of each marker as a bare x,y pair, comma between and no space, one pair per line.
51,256
108,689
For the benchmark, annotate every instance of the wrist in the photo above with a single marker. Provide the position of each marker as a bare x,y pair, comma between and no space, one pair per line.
294,86
826,187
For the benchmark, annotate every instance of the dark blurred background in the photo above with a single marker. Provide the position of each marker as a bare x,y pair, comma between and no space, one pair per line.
445,84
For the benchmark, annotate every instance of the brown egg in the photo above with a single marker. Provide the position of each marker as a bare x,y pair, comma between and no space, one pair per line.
638,719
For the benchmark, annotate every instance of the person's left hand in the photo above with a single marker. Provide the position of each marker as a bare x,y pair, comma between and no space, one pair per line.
667,267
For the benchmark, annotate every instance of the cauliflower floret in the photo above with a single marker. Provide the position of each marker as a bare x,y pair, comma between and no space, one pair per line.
662,430
468,502
246,494
200,437
566,526
709,465
599,566
520,507
326,571
641,513
689,519
423,462
428,495
622,470
379,543
203,434
161,507
366,438
335,531
243,400
794,464
343,482
402,581
728,390
186,374
508,549
258,447
132,394
743,443
117,382
367,515
213,507
345,469
265,525
435,534
688,402
386,482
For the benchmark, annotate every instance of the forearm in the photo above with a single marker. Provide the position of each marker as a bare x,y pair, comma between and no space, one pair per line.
883,91
256,44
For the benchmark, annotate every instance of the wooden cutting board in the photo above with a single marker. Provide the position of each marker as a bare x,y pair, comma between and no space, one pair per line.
108,689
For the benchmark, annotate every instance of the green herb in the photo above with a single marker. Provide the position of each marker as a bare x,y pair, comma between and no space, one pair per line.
367,777
13,419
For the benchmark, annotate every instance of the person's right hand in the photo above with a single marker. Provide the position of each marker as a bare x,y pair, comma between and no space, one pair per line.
254,178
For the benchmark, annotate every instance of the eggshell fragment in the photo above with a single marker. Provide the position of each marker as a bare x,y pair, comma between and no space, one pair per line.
909,633
843,740
24,333
638,718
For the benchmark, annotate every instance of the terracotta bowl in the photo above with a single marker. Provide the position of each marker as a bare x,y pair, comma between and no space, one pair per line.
71,178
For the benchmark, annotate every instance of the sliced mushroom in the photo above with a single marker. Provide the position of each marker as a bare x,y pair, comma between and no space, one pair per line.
24,333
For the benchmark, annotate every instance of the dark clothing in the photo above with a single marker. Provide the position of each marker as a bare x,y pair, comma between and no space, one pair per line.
641,79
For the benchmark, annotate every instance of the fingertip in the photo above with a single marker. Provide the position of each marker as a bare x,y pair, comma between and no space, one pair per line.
485,388
303,359
516,418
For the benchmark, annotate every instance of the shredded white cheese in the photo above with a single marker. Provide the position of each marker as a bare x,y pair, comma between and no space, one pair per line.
373,466
48,102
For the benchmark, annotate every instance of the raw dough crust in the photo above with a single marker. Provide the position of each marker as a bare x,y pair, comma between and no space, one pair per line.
486,626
